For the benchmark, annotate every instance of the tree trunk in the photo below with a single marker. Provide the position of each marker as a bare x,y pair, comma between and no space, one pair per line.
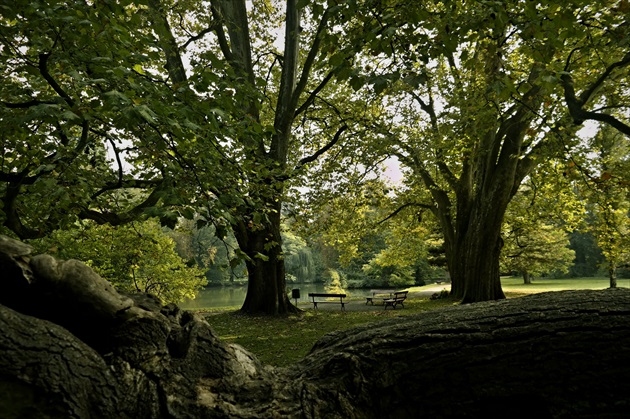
266,285
72,347
527,279
612,275
521,358
475,269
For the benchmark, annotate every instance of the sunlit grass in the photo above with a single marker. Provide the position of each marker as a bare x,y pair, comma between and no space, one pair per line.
545,284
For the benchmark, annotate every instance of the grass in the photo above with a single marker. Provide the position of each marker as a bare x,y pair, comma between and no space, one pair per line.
284,341
544,284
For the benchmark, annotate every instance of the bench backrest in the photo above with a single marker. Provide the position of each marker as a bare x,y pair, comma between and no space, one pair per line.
312,294
401,294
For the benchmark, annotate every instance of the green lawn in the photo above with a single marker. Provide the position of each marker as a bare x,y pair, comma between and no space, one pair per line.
541,285
284,341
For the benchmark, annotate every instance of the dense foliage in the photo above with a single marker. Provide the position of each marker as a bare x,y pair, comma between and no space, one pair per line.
136,257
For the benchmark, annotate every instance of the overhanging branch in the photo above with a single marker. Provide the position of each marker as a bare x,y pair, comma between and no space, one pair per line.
325,148
402,207
576,105
310,60
311,97
27,104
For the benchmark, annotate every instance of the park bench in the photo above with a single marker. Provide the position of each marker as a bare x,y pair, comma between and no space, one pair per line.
327,295
397,298
377,294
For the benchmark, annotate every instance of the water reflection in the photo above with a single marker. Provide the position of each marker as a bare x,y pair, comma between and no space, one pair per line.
233,296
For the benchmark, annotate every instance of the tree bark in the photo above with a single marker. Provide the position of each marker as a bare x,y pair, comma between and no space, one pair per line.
527,279
266,285
612,275
553,355
528,357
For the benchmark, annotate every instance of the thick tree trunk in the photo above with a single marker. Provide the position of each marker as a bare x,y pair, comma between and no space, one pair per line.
266,286
522,358
553,355
474,267
527,279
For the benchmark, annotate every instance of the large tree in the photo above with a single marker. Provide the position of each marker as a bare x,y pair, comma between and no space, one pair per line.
478,101
121,109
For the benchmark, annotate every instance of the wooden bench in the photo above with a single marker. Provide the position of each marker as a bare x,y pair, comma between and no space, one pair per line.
397,298
324,295
378,294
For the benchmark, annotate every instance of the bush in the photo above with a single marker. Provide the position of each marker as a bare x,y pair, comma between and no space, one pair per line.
136,257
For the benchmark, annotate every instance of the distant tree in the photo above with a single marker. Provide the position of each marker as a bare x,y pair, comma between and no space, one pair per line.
136,257
202,246
535,249
298,258
534,233
588,255
607,187
334,282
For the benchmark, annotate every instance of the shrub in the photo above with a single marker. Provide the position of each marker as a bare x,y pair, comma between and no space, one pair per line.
137,257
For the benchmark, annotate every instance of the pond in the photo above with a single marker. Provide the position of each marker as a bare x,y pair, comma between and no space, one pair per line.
234,295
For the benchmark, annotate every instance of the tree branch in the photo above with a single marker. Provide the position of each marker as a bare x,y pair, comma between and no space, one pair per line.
218,30
308,64
43,69
200,35
311,98
12,219
28,104
322,150
168,44
112,218
592,89
576,105
429,108
402,207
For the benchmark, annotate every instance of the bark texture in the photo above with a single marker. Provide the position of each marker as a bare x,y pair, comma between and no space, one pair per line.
266,285
72,347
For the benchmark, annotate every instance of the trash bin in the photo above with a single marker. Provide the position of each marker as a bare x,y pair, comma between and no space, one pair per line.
295,294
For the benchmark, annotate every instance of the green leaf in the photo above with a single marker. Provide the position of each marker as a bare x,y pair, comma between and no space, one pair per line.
71,116
357,83
262,257
221,231
138,69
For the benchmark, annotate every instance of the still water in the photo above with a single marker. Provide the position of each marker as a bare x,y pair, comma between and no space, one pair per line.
233,296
